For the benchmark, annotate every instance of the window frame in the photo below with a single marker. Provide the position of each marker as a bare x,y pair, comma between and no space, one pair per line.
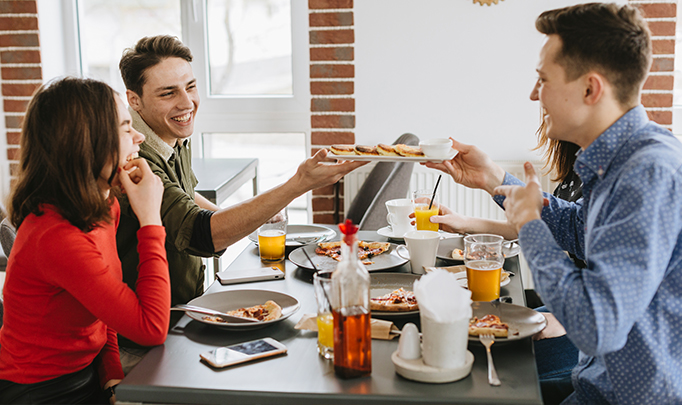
253,113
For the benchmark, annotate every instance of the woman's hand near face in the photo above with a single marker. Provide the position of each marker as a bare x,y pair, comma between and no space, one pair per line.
144,190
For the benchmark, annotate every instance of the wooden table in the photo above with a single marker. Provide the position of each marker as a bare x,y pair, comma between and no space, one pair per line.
173,373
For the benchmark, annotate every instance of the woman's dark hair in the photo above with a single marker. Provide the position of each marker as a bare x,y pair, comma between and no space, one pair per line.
70,132
559,156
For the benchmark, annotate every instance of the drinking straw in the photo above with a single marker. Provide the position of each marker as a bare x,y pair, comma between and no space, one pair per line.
434,191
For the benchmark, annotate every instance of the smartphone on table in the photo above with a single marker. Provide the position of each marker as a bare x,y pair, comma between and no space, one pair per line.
243,352
227,277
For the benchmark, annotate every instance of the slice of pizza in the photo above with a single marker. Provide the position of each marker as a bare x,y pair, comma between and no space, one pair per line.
488,325
366,250
264,312
400,300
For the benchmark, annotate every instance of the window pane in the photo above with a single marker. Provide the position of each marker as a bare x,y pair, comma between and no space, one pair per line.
278,158
108,27
249,47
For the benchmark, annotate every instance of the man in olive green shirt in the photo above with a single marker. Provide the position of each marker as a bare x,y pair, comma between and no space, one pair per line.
163,99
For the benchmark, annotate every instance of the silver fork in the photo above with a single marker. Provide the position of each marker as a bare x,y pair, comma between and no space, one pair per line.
487,341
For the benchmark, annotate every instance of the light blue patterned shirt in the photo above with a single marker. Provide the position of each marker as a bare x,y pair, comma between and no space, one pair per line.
624,311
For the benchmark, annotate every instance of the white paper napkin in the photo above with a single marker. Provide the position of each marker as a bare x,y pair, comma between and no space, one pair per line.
441,298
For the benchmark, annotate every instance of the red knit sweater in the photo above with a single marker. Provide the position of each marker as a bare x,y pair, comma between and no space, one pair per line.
64,299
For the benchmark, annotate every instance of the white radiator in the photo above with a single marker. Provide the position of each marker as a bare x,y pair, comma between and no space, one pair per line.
474,203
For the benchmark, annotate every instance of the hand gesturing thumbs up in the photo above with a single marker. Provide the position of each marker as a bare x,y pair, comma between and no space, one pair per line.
523,204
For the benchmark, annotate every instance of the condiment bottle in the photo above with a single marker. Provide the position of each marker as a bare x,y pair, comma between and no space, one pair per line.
350,309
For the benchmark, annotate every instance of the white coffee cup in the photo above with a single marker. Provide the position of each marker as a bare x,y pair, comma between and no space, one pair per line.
398,217
422,247
444,345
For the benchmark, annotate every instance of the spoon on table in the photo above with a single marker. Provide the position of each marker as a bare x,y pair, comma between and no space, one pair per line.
212,312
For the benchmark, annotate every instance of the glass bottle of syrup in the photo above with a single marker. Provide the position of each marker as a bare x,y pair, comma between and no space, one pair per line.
350,309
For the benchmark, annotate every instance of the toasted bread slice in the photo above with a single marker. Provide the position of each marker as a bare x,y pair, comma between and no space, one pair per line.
343,149
409,151
386,150
366,150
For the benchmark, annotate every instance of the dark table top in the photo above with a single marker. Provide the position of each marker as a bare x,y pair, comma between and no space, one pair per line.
173,373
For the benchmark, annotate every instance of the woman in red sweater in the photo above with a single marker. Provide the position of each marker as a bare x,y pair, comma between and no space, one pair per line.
64,298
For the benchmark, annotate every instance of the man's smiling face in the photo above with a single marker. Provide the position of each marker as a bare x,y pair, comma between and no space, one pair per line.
169,100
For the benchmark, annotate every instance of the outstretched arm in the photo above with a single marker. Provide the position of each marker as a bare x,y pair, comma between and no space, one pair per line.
231,224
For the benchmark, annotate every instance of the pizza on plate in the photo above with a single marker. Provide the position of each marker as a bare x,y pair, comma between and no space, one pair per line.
263,312
366,250
488,325
399,300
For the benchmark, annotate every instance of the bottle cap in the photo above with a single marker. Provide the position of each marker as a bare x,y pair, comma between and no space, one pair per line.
348,230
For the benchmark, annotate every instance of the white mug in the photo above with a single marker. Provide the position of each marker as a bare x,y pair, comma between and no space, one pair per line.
422,247
398,217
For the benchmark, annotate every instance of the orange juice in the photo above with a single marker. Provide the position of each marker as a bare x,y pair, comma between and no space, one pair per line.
483,278
325,335
423,214
271,245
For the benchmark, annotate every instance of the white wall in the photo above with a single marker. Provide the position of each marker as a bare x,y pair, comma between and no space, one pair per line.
449,68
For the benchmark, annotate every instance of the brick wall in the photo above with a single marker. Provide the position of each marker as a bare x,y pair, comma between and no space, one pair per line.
657,96
20,69
332,104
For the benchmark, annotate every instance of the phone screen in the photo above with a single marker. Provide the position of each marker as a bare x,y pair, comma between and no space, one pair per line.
255,347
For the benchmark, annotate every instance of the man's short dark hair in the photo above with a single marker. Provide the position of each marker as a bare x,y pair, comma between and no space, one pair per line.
149,52
607,38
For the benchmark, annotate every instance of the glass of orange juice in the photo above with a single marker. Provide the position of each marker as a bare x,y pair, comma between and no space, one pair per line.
483,260
272,237
426,204
322,281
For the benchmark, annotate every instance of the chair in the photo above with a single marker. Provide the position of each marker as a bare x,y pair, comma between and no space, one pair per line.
386,181
7,235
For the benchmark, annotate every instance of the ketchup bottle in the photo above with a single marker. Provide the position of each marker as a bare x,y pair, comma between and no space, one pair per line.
350,309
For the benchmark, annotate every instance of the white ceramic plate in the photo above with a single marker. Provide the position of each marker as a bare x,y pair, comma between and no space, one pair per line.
384,283
523,322
300,235
384,261
230,300
387,232
381,158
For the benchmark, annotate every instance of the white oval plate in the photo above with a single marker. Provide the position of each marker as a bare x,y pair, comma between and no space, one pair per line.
230,300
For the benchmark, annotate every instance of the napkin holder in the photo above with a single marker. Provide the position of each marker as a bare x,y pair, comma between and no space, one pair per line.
416,370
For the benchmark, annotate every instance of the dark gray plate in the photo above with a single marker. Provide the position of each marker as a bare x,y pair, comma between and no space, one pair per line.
384,283
384,261
230,300
447,245
523,322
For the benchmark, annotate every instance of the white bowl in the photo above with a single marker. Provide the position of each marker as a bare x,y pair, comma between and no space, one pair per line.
438,148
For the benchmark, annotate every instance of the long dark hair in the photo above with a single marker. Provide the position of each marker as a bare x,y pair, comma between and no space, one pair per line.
559,156
70,132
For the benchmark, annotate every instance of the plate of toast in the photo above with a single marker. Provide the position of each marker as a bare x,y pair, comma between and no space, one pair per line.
384,153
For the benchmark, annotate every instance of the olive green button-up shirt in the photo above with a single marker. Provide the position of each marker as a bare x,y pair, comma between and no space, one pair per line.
178,213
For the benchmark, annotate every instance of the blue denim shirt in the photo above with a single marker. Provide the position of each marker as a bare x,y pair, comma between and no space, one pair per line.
624,311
